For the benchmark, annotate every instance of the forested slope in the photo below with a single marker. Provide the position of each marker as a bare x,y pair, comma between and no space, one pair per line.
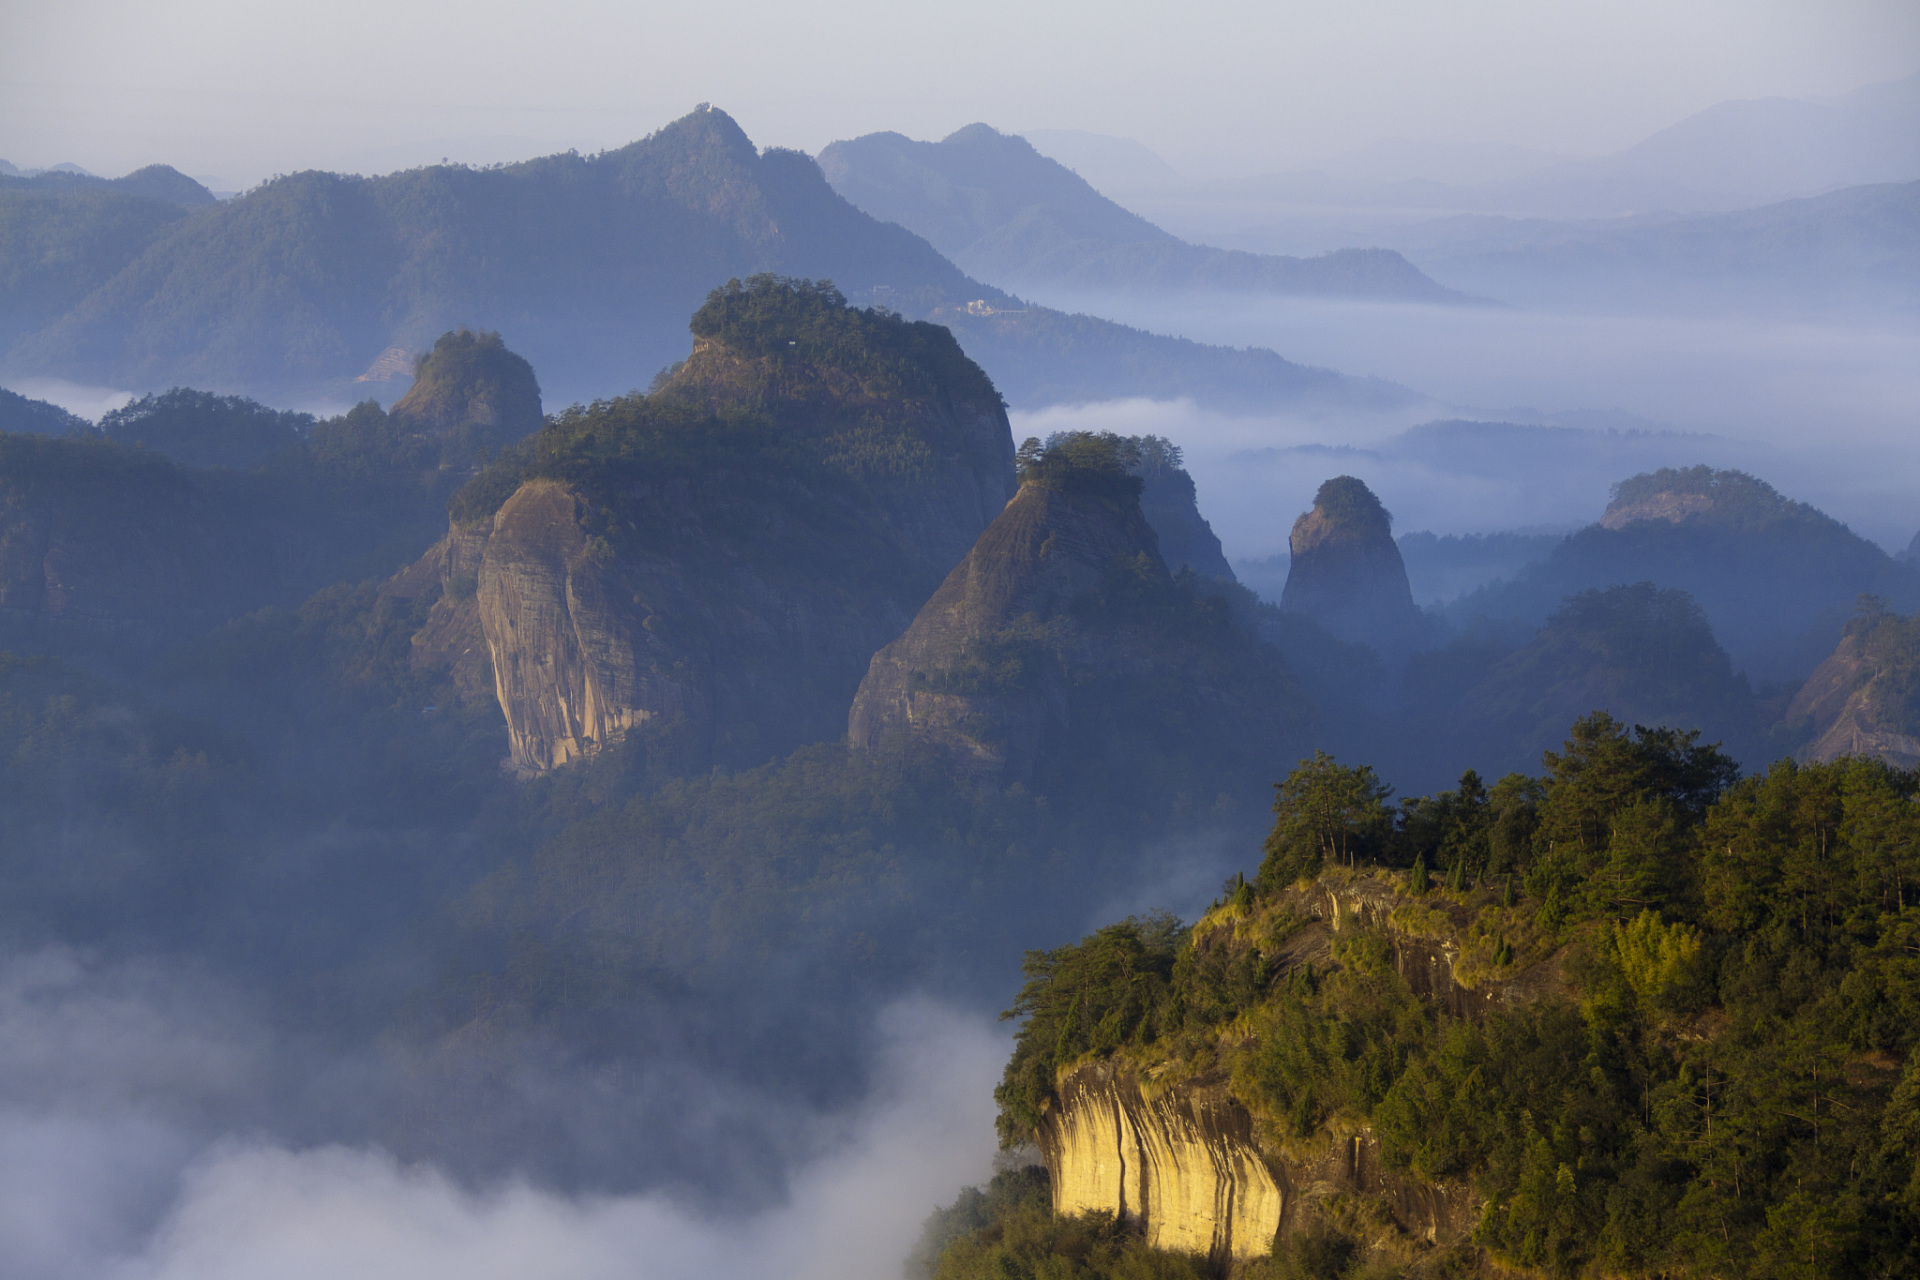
1649,1017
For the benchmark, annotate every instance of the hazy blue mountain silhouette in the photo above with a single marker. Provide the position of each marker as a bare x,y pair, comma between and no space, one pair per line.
1856,245
317,285
1007,213
1777,579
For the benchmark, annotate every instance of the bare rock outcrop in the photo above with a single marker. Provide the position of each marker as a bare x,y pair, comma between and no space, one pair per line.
1185,1163
1859,702
568,662
1346,573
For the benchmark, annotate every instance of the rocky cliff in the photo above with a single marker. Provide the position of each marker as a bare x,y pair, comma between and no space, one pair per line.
718,560
1177,1152
1346,573
1864,700
1172,507
1184,1163
1062,602
1181,1163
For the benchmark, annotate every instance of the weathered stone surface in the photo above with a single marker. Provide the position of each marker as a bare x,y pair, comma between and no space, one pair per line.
1188,1163
565,652
1849,707
741,609
1346,572
1184,1162
1181,1163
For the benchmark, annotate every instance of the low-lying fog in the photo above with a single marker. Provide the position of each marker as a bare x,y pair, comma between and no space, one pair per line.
150,1131
1825,411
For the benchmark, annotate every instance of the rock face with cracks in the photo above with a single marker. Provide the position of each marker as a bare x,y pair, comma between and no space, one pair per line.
717,561
1183,1164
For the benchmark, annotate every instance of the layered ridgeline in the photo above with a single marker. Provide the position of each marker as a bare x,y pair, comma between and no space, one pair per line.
320,285
185,509
1006,213
1776,578
1538,1030
1062,637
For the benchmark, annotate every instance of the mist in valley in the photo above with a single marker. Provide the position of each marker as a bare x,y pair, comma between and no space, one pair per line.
400,877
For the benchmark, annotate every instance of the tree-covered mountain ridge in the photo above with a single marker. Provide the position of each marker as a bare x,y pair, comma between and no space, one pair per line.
1633,1016
306,286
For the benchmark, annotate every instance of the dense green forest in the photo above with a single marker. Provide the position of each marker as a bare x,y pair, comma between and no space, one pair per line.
1720,1079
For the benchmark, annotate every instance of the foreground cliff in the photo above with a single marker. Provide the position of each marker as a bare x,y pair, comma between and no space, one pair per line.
1171,1141
1533,1030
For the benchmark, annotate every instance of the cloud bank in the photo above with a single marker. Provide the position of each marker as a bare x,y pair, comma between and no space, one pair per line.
141,1140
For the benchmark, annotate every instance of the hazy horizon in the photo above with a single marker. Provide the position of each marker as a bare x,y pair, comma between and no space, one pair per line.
1239,89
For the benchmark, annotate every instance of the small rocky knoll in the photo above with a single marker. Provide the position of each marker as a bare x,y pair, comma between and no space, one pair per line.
470,385
1346,572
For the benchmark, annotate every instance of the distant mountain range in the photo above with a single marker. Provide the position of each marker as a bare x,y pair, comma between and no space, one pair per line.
321,286
1733,155
1007,213
1857,245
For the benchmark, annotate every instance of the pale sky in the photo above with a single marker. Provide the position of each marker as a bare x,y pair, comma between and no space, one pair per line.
240,89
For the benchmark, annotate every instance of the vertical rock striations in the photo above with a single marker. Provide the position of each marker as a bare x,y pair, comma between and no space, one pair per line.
1181,1164
717,561
1347,574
